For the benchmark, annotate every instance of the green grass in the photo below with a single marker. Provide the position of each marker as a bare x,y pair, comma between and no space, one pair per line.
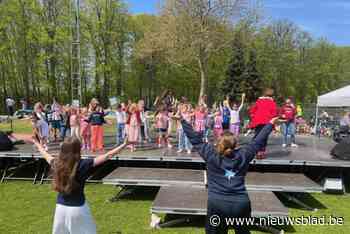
27,208
23,126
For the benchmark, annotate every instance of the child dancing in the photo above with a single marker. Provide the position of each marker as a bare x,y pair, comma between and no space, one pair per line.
85,130
133,122
96,120
234,117
74,123
184,143
218,120
162,125
261,113
121,121
41,130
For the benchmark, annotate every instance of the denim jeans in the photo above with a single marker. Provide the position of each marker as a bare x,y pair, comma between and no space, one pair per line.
120,133
288,128
257,131
239,208
184,142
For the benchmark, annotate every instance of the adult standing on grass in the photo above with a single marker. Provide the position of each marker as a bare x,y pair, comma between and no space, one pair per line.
70,172
227,168
10,106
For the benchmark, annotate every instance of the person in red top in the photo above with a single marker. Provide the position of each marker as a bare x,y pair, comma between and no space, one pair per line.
261,113
288,113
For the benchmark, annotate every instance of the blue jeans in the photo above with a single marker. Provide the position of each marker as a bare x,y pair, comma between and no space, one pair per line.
120,133
288,128
184,142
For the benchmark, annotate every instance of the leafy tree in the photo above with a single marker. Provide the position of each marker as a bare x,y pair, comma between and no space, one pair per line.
235,74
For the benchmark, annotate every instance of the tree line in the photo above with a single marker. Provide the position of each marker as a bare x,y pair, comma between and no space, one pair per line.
193,47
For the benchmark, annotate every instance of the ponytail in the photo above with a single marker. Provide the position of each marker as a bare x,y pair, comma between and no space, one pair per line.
226,144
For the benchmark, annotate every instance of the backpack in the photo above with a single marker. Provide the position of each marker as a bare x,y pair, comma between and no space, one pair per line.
5,142
342,150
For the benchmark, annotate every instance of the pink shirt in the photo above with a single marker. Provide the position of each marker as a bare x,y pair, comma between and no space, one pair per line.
218,122
162,121
73,121
199,123
83,123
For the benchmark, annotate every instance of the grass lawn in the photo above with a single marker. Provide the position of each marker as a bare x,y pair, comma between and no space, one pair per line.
23,126
27,208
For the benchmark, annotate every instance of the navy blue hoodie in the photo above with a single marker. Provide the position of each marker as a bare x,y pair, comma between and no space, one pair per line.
226,175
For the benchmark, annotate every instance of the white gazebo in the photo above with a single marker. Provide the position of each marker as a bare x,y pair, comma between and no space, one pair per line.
338,98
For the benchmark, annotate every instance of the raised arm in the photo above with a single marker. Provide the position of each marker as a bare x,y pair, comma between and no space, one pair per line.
99,160
242,102
205,150
48,157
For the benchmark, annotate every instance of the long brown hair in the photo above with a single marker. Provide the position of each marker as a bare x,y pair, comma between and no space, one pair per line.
65,166
226,144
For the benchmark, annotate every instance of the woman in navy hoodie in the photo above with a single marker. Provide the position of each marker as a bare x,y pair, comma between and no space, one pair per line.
227,167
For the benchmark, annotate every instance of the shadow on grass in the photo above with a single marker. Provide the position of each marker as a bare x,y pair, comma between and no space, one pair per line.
306,198
138,193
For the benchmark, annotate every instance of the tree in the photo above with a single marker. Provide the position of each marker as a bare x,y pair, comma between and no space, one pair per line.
190,31
252,83
235,74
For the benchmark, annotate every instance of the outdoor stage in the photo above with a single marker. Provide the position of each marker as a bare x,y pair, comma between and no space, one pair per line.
182,177
312,151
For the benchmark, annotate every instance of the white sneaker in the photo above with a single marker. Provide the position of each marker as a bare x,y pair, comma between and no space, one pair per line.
170,146
189,152
284,145
294,145
180,151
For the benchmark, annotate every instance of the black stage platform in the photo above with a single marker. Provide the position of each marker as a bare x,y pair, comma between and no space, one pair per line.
193,201
312,151
276,182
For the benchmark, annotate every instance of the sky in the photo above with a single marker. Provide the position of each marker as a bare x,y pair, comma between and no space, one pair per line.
322,18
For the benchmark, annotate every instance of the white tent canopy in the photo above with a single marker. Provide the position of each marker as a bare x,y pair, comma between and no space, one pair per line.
336,98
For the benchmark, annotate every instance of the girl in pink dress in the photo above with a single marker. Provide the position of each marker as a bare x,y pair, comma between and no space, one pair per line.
218,130
74,123
200,116
85,131
134,125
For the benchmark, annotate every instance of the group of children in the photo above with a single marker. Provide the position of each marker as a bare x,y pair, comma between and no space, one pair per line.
133,122
55,122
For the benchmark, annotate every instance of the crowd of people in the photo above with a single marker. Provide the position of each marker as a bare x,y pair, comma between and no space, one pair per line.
136,123
227,165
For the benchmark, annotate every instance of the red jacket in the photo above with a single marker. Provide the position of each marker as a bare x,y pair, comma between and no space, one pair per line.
288,112
262,112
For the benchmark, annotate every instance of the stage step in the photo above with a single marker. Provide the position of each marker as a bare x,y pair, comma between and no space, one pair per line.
276,182
186,200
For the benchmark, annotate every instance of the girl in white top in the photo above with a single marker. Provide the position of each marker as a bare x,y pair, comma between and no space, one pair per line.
234,117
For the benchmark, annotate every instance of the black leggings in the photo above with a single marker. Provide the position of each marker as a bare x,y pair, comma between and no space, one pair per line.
227,209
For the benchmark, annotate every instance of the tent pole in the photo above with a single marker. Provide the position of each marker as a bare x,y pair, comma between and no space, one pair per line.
316,119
